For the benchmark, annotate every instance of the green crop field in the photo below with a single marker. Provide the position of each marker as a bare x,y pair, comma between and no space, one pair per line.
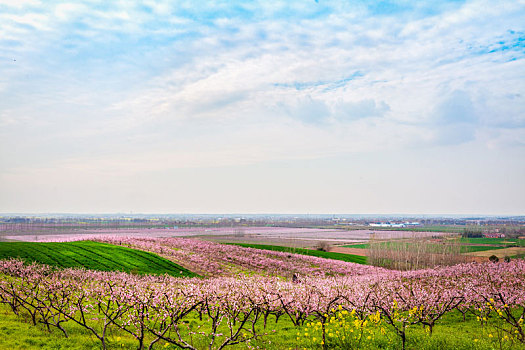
358,246
501,241
93,256
327,255
477,248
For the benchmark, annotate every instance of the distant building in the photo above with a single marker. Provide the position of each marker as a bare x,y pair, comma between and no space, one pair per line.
388,224
493,235
394,224
414,223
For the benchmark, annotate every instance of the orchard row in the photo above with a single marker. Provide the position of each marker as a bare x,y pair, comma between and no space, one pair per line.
226,310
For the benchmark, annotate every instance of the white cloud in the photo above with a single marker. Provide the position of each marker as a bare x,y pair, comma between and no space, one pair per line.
19,3
113,88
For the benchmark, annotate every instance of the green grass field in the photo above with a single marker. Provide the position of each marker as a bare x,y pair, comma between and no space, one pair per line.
93,256
450,333
357,246
327,255
499,241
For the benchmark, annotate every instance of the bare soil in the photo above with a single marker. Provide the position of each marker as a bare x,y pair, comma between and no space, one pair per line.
500,253
354,251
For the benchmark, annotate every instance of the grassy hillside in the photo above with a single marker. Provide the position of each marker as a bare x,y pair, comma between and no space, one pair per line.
327,255
93,256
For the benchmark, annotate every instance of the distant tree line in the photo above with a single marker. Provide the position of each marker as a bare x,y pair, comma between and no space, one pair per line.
508,231
472,232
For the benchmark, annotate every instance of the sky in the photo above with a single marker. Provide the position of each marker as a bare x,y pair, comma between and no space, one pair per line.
262,107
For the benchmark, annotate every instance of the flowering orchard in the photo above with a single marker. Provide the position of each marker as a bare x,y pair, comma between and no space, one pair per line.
340,311
214,259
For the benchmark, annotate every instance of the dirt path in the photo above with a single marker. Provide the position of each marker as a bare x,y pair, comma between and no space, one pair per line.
354,251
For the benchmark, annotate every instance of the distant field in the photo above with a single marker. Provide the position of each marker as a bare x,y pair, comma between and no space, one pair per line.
449,229
93,256
512,252
463,249
358,246
435,228
502,241
327,255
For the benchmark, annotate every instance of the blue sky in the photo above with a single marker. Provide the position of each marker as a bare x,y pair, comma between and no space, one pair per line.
291,106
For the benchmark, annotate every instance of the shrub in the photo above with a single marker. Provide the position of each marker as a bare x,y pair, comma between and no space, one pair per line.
323,246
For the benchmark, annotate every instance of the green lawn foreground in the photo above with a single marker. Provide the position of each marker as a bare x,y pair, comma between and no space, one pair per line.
451,333
327,255
93,256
